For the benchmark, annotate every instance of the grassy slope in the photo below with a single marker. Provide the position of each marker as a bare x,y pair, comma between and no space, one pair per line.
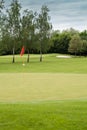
43,115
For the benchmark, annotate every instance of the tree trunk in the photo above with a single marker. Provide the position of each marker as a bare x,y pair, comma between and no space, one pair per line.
75,53
41,53
28,58
40,56
13,61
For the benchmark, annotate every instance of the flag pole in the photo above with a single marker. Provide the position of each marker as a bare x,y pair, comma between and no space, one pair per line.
21,53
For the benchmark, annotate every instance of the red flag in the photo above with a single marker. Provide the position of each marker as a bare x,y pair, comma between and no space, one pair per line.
22,51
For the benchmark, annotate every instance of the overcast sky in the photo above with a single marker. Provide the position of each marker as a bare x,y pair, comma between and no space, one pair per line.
64,13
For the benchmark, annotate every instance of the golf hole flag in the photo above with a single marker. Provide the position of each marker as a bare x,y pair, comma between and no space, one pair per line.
22,51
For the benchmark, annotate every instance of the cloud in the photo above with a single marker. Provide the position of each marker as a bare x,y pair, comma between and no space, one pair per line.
64,13
70,13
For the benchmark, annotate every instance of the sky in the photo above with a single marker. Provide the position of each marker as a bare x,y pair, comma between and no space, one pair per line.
64,13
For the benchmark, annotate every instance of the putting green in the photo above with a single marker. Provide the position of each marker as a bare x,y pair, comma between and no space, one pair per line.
42,86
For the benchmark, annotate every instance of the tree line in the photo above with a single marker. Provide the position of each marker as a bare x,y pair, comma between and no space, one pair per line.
69,41
33,30
24,28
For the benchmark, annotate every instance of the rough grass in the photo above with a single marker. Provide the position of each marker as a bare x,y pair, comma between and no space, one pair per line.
57,115
51,95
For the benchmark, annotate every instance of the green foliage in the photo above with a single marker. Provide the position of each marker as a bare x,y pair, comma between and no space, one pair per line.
61,42
27,28
27,31
14,18
84,47
44,28
75,45
1,17
14,23
83,35
1,5
6,45
34,30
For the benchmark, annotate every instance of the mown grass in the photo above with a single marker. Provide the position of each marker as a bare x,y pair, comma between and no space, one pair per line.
56,115
50,64
51,95
25,87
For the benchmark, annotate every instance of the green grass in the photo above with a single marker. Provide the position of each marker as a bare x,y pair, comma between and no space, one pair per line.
57,115
50,64
24,87
51,95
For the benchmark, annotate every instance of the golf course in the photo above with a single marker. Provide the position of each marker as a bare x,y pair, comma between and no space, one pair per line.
47,95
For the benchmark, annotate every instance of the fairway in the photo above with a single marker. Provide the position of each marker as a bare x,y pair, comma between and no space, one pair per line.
50,64
42,86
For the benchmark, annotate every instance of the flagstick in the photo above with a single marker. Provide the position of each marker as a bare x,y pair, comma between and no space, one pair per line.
21,54
23,62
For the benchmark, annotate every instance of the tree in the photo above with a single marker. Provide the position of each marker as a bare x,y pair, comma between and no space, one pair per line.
43,28
64,39
14,23
1,5
83,35
75,46
71,32
6,44
60,42
28,30
1,16
84,47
